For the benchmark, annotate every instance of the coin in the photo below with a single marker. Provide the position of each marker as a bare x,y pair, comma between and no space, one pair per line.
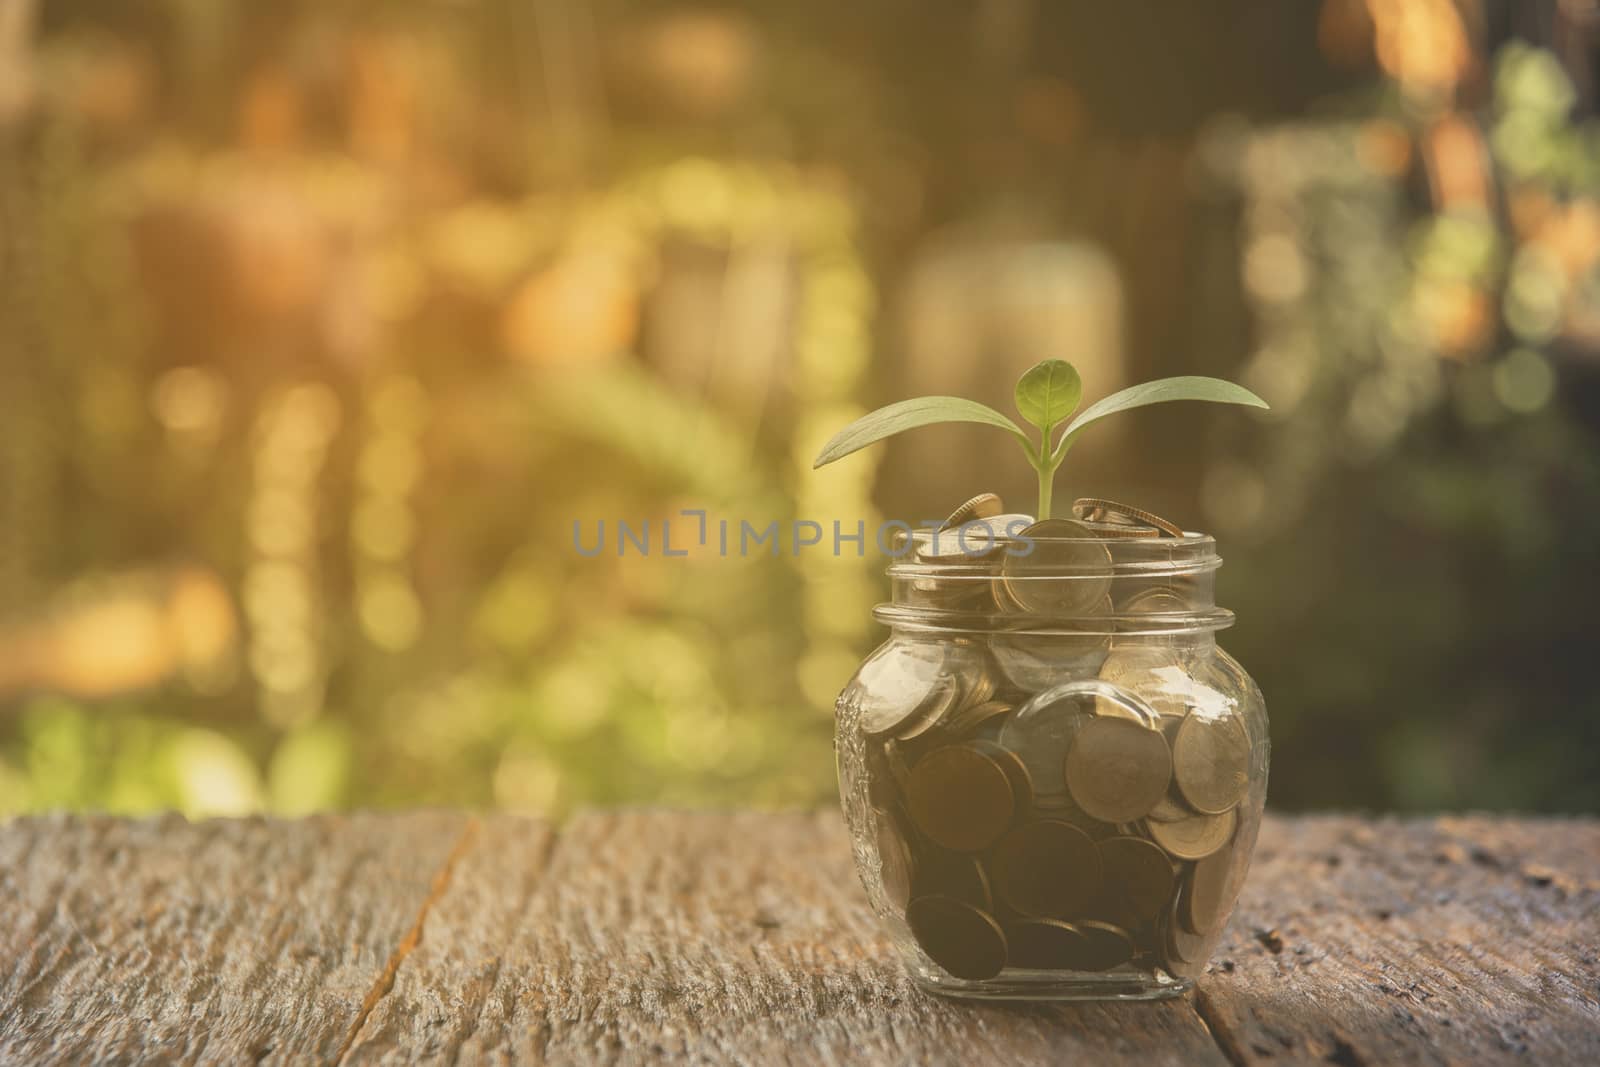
1211,761
1118,530
982,506
894,861
1101,510
1041,733
1201,903
1036,661
1195,837
895,683
938,873
1015,770
1184,949
1168,809
1102,946
1064,575
1117,769
1046,869
1043,945
1138,874
971,719
1150,672
1156,600
973,540
966,942
960,798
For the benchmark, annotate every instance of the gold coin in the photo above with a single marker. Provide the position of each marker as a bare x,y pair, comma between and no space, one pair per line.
1211,761
938,873
932,711
1015,770
1159,600
1195,837
1102,946
1185,951
972,719
1046,869
1043,945
982,506
896,683
1117,769
1151,673
960,798
1102,510
1201,904
894,861
1168,809
966,942
1138,875
1064,575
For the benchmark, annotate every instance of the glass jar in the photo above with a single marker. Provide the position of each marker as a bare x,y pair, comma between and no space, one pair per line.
1052,775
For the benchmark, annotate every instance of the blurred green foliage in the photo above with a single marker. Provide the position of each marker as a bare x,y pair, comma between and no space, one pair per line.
320,324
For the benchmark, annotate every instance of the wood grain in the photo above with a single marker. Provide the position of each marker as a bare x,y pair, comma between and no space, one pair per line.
706,938
743,938
1448,941
162,941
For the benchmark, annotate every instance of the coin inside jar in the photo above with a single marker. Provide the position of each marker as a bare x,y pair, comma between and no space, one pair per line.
1015,770
1046,869
960,798
1201,903
1195,837
1102,946
1139,874
896,683
1043,945
894,860
938,873
1041,733
964,941
1065,574
1118,769
1211,761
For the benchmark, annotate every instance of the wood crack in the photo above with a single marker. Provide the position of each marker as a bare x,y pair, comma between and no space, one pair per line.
385,980
1226,1042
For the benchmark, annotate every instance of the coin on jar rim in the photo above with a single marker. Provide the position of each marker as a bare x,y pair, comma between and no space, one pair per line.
1138,874
1117,769
1065,575
1118,530
1046,869
1043,945
1195,837
960,798
982,506
1211,761
1201,903
1103,946
963,940
1103,510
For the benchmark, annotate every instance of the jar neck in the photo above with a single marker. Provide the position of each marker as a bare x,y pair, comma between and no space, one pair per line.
1131,588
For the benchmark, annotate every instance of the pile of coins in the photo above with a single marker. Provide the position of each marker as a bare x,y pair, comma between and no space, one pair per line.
1051,800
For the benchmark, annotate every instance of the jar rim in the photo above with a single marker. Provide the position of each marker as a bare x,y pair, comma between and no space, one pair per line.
1107,571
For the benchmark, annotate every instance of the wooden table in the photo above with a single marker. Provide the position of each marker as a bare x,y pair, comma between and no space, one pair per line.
636,936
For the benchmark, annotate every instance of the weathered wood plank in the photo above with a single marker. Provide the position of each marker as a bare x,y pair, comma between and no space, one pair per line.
1448,941
162,941
707,938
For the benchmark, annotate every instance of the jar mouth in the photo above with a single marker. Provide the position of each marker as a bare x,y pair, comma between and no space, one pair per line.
1055,586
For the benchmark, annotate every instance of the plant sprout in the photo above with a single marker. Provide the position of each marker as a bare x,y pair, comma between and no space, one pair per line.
1046,396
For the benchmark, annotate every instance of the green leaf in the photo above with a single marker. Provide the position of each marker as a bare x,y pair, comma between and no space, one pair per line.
1049,392
1188,387
908,415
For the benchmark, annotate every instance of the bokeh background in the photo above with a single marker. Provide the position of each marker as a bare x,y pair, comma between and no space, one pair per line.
321,322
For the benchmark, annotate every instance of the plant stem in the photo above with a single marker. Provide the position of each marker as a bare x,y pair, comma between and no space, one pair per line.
1047,474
